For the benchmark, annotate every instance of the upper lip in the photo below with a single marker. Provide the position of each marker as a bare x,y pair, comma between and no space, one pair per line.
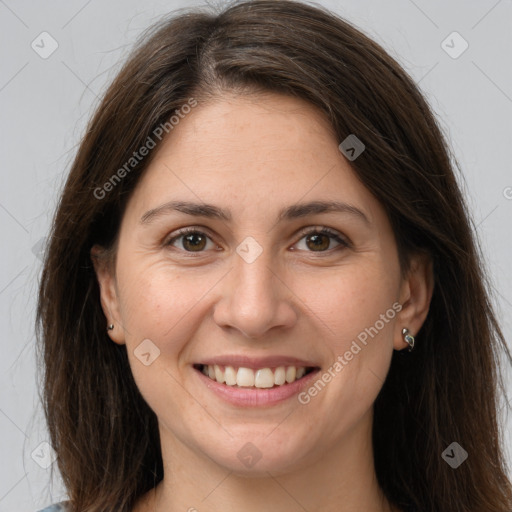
256,362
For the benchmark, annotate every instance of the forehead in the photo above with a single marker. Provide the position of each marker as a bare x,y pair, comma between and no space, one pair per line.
251,152
253,131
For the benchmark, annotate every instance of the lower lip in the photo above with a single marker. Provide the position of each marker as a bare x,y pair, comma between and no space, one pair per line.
254,397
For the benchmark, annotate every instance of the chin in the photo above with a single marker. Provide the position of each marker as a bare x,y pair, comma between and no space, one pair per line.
258,455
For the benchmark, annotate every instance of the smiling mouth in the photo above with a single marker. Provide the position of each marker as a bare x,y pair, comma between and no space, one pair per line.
260,378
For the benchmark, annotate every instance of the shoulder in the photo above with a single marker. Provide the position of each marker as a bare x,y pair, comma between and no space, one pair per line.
57,507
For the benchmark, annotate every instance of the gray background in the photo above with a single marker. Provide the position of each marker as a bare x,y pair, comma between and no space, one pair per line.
46,102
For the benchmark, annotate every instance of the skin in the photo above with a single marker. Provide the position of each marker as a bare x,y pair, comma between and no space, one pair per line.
255,155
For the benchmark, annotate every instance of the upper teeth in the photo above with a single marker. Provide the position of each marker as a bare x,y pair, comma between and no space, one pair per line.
247,377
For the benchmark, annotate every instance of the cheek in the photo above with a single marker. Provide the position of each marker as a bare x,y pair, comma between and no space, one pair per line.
157,308
162,303
351,299
355,306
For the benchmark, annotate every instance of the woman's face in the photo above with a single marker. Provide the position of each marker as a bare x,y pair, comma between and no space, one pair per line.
258,290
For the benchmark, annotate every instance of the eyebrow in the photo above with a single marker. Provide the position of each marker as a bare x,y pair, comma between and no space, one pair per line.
294,211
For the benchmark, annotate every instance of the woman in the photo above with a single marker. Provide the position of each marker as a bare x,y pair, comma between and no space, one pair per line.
262,291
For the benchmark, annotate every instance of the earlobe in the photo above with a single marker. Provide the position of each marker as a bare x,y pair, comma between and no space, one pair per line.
103,268
415,295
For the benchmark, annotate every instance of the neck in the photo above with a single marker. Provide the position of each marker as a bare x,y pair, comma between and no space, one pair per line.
340,480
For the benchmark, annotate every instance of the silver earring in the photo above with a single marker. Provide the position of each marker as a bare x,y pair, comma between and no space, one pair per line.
110,327
408,338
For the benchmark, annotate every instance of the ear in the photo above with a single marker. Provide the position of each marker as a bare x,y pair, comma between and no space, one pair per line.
105,273
415,295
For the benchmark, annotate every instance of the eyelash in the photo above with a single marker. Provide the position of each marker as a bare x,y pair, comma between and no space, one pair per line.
322,230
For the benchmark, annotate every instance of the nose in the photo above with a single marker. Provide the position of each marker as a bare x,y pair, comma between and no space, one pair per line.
255,298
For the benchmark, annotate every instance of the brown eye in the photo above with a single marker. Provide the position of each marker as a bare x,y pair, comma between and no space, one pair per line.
192,240
316,240
319,240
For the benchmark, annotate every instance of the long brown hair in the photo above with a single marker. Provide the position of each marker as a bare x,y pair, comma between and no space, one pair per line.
445,391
